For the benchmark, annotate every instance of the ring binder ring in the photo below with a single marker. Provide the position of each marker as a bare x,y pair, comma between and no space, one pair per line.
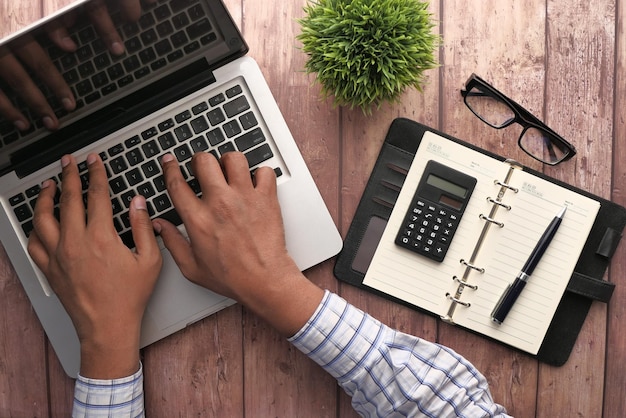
466,264
499,183
464,284
493,221
459,301
495,202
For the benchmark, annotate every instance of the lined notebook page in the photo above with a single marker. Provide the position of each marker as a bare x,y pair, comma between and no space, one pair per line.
425,283
507,249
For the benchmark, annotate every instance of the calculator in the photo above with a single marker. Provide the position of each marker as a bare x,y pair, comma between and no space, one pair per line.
435,211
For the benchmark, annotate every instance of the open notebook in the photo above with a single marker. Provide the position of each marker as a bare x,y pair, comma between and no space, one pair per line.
467,284
392,184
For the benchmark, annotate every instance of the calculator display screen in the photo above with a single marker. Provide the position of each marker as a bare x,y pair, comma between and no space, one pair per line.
446,186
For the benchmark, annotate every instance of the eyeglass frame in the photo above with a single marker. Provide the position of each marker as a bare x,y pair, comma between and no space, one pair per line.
522,117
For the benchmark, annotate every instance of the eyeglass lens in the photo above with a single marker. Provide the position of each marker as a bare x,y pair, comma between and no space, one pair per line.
537,142
542,145
489,108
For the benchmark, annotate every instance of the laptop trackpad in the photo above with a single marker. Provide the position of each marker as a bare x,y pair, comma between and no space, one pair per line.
176,302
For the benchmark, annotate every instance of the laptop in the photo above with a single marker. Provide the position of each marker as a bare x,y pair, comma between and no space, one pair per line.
184,85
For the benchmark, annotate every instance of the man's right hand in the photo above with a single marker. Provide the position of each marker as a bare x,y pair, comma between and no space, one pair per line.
236,243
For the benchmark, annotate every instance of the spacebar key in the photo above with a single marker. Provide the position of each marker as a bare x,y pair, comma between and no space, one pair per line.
172,216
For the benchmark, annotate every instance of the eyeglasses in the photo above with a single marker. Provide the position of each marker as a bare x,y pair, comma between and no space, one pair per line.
498,111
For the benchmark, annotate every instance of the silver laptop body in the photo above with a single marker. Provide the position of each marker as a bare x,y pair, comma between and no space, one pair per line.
185,86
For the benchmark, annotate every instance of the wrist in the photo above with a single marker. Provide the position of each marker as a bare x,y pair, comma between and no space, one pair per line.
285,301
110,357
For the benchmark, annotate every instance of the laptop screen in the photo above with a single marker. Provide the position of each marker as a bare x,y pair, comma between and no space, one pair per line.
64,83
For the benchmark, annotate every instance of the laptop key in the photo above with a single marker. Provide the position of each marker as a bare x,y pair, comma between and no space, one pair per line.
162,203
231,128
250,139
127,198
118,165
162,12
150,149
180,20
183,116
117,185
18,198
167,140
227,147
233,91
134,177
28,227
248,120
23,212
182,153
215,136
90,98
32,191
199,28
146,190
199,144
163,47
149,37
108,89
133,141
258,155
165,125
134,157
150,169
217,99
102,61
116,206
183,133
116,71
149,133
178,5
236,106
159,183
115,149
199,124
126,80
133,45
196,12
216,116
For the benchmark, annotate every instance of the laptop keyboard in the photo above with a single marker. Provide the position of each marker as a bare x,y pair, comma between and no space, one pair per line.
165,33
223,123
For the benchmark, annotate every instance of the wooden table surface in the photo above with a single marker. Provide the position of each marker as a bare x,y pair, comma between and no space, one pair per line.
564,60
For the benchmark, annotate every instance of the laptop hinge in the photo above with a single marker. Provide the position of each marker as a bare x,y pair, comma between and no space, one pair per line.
113,117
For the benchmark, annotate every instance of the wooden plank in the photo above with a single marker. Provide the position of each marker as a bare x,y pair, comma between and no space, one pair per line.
362,138
513,62
579,92
615,378
23,389
197,371
279,380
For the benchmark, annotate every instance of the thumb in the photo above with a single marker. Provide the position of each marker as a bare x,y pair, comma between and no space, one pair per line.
177,245
141,226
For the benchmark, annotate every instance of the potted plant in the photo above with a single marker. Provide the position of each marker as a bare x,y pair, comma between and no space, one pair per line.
365,52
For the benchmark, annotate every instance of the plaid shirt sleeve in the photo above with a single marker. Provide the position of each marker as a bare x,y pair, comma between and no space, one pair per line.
391,374
109,398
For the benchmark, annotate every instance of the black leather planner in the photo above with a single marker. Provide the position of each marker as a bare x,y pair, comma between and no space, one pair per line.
585,286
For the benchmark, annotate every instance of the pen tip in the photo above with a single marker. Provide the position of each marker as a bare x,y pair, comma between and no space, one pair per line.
562,212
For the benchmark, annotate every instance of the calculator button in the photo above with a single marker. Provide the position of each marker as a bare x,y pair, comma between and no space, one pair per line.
428,229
